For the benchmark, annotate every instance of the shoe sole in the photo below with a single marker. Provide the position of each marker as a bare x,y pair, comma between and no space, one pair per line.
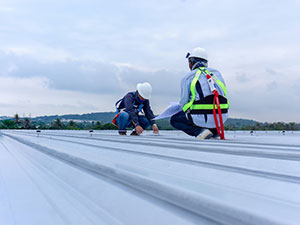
205,135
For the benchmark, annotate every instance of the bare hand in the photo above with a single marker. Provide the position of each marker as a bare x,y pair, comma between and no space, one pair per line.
155,129
139,130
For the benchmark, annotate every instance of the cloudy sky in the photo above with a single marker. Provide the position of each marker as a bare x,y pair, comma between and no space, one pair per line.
63,56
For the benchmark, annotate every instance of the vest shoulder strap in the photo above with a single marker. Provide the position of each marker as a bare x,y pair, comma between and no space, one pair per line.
190,105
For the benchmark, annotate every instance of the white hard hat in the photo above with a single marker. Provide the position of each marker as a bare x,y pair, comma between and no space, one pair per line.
144,89
198,53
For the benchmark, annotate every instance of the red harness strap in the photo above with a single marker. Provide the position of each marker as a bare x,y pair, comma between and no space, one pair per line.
220,129
115,119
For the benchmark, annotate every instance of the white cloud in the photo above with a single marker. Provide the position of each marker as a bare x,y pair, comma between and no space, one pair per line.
40,53
6,9
99,51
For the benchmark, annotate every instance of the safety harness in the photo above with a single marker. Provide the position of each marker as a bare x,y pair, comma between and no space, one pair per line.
210,103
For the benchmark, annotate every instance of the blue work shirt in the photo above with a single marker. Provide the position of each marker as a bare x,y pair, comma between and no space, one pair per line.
131,103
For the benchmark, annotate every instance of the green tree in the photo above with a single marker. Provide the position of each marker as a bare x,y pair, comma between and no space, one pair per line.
72,125
97,126
57,124
27,123
9,124
109,126
17,118
292,126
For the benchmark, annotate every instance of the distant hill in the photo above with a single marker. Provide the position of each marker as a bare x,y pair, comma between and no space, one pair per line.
5,117
107,117
103,117
239,123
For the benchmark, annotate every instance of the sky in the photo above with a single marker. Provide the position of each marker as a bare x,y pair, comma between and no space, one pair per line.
67,57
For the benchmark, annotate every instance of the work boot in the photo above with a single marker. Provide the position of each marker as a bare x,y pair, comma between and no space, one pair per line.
205,134
122,132
134,133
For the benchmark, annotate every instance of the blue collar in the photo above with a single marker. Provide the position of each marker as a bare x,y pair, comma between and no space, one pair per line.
138,98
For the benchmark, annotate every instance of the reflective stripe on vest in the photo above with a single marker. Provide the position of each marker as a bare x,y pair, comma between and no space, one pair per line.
190,105
208,106
193,85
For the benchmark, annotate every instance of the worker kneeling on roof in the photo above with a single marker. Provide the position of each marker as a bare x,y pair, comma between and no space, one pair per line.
197,99
134,111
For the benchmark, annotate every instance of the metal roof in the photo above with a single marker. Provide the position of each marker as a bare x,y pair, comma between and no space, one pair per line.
78,177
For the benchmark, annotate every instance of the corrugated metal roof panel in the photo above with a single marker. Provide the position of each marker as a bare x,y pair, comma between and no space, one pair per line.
71,177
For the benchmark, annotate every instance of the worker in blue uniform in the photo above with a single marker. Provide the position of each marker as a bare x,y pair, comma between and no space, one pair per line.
134,111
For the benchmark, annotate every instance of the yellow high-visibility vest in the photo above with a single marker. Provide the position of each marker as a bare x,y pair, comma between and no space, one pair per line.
206,105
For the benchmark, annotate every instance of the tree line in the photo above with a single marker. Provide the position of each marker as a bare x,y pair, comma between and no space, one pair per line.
265,126
58,124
